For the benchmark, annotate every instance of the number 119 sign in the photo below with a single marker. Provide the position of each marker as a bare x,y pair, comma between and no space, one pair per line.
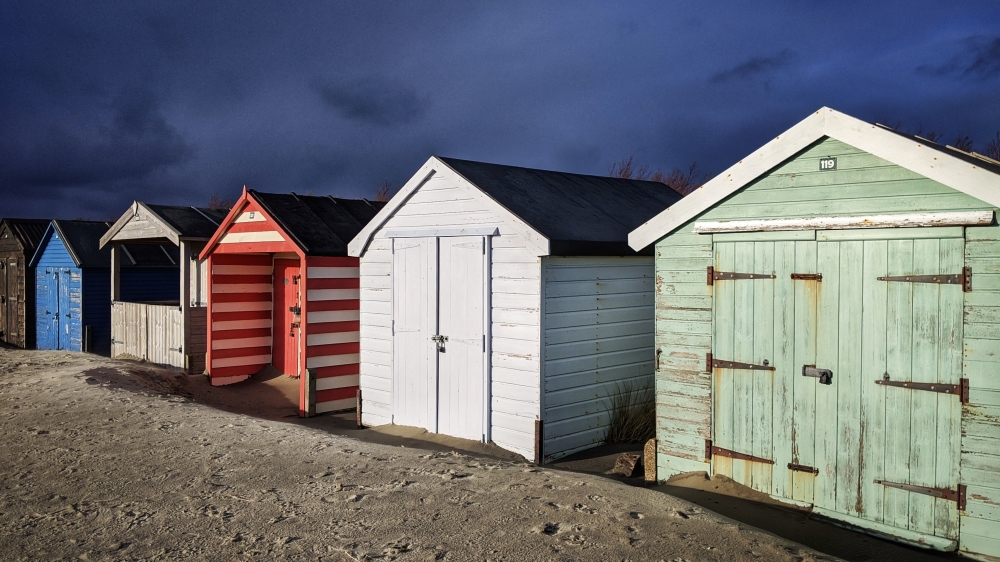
827,164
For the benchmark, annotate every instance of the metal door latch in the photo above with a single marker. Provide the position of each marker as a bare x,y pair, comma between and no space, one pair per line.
439,340
291,329
295,309
825,376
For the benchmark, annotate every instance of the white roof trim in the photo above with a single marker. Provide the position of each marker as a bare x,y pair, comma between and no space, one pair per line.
357,247
170,232
902,220
909,153
440,232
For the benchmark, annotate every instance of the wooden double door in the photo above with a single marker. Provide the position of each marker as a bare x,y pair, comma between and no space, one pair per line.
439,296
12,301
816,345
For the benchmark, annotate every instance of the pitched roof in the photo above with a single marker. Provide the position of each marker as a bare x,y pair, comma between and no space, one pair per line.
172,222
190,222
28,232
320,226
568,214
83,243
962,172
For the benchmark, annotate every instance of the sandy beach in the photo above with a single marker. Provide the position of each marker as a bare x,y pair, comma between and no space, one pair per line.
111,460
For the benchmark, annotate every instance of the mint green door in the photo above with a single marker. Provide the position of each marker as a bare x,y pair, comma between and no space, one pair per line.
827,444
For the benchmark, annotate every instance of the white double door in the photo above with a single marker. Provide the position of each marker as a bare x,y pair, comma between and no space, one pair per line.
439,294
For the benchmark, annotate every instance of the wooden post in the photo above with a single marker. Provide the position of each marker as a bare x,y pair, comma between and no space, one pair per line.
539,440
116,272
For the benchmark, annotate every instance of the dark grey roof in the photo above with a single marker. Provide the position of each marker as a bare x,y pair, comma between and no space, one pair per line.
321,226
83,240
28,232
579,214
982,162
191,222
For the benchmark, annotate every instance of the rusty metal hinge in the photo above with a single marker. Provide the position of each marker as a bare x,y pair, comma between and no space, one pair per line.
714,275
722,364
808,276
712,450
957,496
802,468
964,279
961,389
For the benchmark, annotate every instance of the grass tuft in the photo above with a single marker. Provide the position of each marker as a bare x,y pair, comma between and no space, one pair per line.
633,414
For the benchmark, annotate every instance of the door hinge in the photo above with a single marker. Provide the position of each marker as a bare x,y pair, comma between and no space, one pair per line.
658,352
802,468
177,349
961,389
964,279
722,364
711,450
714,275
957,496
808,276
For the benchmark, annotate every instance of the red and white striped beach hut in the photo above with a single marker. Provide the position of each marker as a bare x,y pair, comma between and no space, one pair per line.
285,293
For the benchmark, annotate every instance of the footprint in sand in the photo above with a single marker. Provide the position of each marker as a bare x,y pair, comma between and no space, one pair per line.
550,529
636,515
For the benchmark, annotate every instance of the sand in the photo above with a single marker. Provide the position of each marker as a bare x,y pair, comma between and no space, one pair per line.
110,460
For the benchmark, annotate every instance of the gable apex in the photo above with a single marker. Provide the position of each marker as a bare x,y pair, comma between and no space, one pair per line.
915,154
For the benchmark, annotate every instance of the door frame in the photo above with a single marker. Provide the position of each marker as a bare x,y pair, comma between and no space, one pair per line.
486,234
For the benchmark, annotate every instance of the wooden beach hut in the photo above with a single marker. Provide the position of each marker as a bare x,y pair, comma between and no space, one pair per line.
19,238
161,322
503,304
73,284
828,326
284,292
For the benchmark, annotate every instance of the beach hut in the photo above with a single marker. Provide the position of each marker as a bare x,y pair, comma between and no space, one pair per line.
73,284
503,304
19,239
283,292
161,320
828,326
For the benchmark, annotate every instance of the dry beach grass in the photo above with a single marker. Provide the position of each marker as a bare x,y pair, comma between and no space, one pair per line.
106,460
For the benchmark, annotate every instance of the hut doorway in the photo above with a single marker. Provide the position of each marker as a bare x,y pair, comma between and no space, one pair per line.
287,316
439,288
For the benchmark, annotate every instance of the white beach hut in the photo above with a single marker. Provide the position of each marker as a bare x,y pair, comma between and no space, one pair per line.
503,304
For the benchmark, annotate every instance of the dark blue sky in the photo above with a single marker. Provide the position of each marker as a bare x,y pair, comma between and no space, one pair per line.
168,102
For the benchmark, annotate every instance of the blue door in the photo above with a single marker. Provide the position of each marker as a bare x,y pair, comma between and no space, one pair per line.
48,309
66,320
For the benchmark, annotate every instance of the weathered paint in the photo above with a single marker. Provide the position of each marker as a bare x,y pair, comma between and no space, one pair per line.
914,327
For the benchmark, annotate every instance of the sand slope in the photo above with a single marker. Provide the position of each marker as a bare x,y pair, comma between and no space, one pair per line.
103,460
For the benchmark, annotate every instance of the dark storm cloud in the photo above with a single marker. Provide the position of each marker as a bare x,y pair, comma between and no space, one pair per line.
132,144
104,103
374,101
978,58
755,67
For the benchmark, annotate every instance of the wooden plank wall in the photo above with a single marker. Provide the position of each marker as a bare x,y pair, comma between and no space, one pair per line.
240,317
196,344
17,282
147,332
980,464
598,333
332,330
683,338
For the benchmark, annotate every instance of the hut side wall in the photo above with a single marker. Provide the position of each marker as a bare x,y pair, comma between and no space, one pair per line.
150,284
515,308
97,309
598,340
241,303
980,465
332,331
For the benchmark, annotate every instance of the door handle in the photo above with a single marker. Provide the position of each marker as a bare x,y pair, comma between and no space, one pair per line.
825,376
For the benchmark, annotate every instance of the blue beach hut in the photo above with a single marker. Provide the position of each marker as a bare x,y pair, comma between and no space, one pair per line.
73,284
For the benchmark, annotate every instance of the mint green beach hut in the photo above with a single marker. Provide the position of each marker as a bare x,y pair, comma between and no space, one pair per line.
828,331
